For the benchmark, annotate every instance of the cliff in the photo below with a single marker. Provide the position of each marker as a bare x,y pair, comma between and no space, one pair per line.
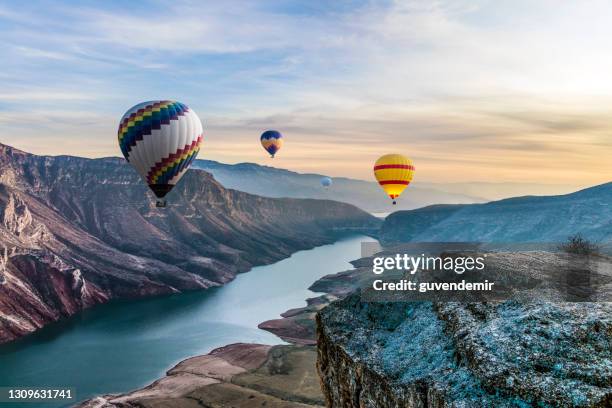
76,232
541,352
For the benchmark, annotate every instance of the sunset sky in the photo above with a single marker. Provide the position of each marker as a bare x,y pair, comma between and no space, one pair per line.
497,91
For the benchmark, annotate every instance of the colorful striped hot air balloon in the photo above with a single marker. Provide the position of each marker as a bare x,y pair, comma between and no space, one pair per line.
272,141
160,139
393,172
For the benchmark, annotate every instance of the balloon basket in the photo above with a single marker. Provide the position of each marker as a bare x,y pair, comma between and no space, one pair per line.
394,203
161,204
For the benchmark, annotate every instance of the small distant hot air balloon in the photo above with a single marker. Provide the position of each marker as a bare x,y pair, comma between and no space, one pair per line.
160,139
272,141
326,182
393,172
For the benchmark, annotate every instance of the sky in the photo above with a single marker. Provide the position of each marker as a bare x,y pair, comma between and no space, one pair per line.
492,91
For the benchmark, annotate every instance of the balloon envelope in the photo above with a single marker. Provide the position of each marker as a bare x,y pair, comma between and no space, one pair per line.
394,173
326,181
272,141
160,139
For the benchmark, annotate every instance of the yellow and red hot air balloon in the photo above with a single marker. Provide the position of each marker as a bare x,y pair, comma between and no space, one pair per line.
393,172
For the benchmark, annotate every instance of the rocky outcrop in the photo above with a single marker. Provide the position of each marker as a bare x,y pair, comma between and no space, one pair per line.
297,326
76,232
3,262
422,355
537,352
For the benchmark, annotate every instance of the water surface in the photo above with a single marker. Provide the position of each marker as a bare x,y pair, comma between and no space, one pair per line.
118,347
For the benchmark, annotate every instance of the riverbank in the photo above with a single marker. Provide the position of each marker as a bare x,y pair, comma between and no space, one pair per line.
76,233
298,326
116,348
436,335
237,375
247,375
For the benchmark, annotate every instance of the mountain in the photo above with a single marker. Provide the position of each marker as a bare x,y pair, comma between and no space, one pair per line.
521,219
274,182
76,232
492,191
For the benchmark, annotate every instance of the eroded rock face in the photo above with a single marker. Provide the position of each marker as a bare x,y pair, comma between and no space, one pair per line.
76,232
424,355
15,215
498,354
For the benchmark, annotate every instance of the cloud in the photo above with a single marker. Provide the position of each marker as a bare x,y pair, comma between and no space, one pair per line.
45,95
472,90
30,52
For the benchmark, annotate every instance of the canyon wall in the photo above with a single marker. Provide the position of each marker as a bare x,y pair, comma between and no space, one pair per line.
77,232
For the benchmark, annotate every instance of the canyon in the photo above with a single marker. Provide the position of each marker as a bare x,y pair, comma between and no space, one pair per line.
78,232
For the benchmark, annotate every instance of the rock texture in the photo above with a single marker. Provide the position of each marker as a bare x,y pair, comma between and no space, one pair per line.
76,232
498,354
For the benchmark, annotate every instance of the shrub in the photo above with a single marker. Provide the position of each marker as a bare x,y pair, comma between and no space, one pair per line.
577,244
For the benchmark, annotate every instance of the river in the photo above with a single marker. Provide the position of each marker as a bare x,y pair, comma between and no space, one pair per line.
121,346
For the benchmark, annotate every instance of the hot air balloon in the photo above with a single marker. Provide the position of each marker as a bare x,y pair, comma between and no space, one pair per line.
326,182
160,139
272,141
393,172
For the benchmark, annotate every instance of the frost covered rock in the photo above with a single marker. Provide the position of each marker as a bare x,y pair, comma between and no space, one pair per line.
498,354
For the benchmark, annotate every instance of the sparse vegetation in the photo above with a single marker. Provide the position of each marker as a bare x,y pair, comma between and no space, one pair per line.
577,244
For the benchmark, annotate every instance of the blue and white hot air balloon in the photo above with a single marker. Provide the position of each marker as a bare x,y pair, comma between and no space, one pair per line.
326,182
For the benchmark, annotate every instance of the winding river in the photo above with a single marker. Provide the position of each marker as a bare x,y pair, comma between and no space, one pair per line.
125,345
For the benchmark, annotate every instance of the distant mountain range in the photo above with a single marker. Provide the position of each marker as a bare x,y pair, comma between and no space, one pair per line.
492,191
75,232
274,182
521,219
